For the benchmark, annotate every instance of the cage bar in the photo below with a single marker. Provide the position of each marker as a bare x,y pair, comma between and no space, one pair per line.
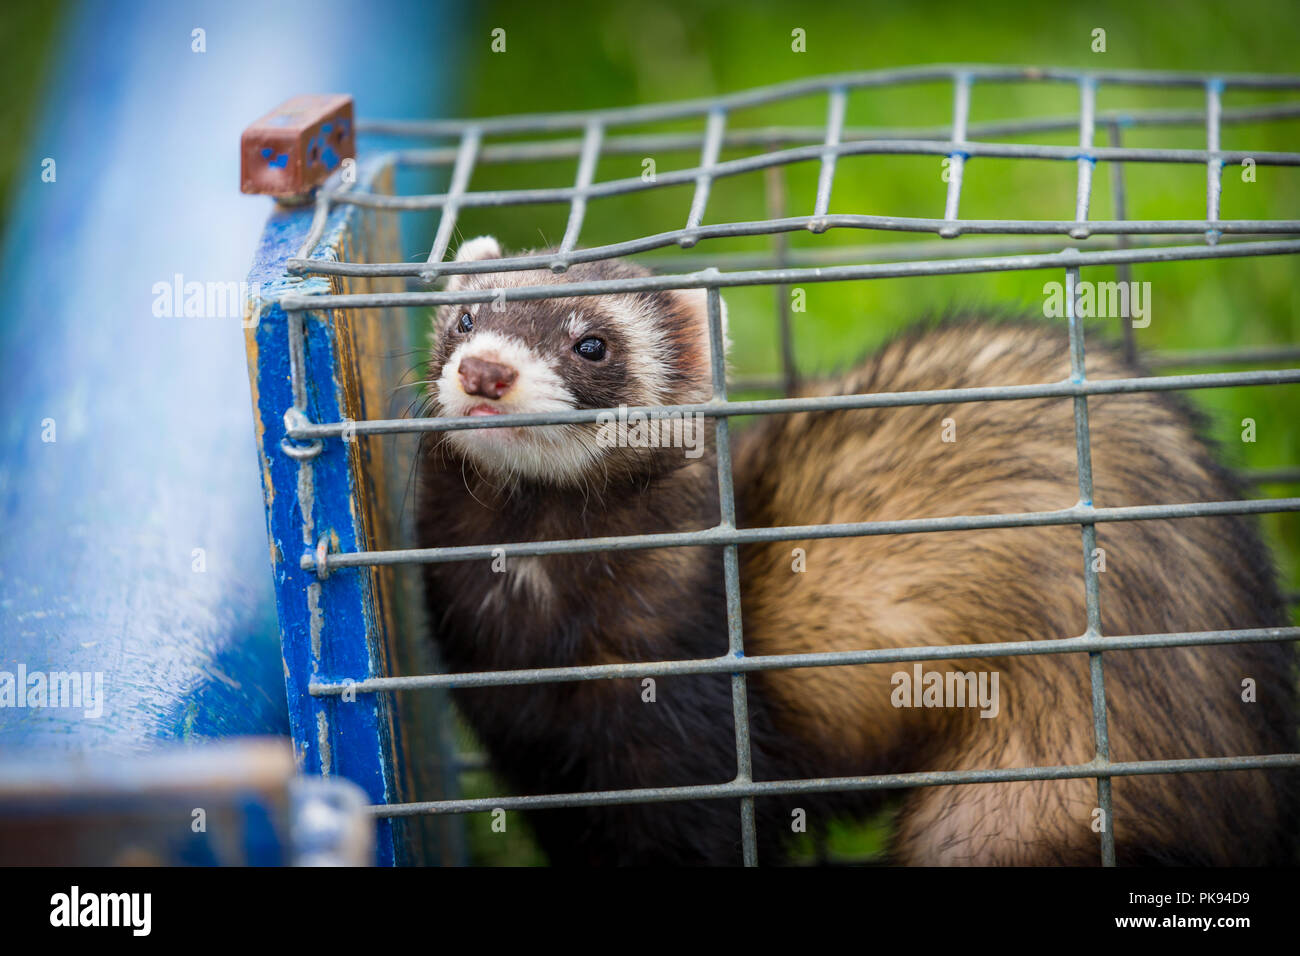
958,155
577,197
822,403
1087,110
1092,601
898,781
731,102
1123,271
957,152
720,536
727,663
833,273
1213,168
466,156
731,571
834,132
642,143
776,205
704,181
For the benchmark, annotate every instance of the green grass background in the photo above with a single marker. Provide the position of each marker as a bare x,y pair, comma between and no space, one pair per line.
27,38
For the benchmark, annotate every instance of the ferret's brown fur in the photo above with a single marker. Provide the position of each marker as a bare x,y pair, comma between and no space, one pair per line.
1021,584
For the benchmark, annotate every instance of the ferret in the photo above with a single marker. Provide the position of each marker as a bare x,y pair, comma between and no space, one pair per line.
498,486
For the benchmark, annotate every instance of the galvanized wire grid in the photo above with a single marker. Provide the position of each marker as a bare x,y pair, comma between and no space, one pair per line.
1130,241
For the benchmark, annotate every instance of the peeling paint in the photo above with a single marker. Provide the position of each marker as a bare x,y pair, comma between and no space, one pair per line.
334,486
317,616
323,740
307,501
254,307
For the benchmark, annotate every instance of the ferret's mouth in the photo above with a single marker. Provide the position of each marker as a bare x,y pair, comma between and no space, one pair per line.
478,437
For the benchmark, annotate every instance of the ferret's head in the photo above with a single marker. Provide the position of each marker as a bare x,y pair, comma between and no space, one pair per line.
545,355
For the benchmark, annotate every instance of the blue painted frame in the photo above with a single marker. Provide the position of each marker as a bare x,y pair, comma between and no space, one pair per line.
334,628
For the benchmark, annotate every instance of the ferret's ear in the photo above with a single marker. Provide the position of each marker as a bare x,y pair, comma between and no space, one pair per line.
480,247
690,335
696,303
473,250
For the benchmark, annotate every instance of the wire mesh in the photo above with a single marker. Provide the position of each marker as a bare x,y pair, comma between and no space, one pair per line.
1119,242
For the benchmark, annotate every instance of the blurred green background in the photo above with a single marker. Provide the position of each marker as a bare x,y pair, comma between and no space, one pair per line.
27,42
614,53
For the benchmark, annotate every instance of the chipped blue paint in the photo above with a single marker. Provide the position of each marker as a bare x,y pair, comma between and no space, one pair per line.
320,151
328,627
279,160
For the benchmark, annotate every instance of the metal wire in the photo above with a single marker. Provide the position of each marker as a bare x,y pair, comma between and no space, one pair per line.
952,266
720,535
830,152
958,155
647,143
938,73
895,781
825,145
1214,167
1091,586
704,182
731,572
465,158
798,154
820,403
728,664
703,279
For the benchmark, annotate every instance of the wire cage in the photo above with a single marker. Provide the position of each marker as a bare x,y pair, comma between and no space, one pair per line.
327,320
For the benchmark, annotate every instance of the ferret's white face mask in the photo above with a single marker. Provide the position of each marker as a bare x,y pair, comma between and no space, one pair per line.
552,355
559,454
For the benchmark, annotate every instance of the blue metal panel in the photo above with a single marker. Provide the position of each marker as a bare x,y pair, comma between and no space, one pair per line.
151,414
330,627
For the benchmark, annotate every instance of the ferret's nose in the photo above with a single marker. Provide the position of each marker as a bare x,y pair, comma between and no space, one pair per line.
481,377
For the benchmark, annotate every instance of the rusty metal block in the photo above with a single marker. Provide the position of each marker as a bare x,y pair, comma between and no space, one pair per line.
297,145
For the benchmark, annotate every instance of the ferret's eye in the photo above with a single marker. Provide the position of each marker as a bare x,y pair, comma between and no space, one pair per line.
466,323
591,349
